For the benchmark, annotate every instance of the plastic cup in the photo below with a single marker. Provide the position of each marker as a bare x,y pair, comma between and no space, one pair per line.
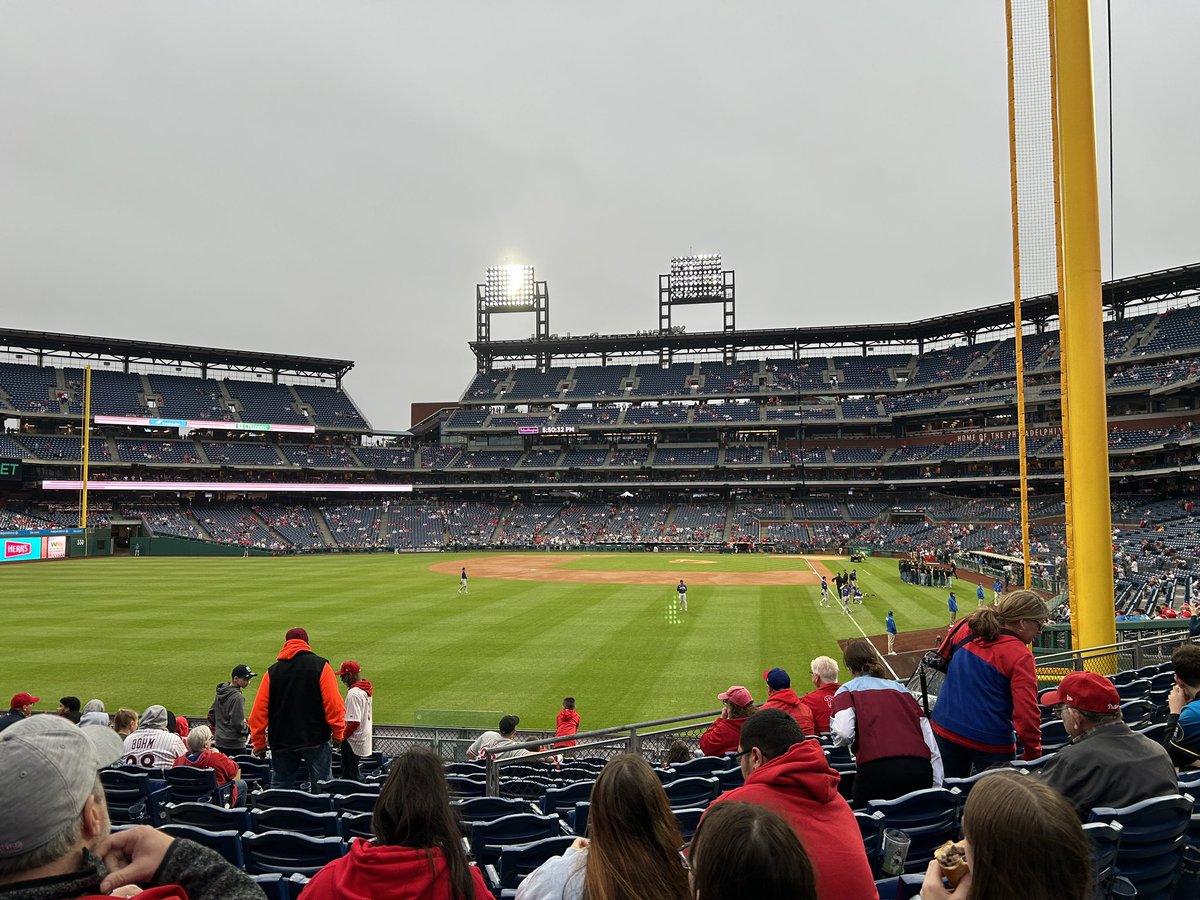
895,851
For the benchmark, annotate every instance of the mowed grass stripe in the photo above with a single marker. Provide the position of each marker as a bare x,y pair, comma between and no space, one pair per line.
153,630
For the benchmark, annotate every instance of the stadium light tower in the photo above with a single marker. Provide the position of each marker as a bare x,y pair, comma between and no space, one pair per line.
692,281
511,289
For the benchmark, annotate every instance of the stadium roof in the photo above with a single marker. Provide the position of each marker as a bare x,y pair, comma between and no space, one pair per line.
47,342
1164,284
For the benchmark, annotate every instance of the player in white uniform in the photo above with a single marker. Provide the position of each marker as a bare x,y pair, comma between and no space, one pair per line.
845,598
681,589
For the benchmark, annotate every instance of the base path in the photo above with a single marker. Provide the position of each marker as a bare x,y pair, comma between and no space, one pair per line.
516,567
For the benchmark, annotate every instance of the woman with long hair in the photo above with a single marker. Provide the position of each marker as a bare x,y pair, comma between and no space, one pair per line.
990,687
417,851
1022,839
633,846
880,721
746,850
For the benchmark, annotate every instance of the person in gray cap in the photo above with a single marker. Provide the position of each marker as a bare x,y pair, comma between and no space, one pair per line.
227,715
54,834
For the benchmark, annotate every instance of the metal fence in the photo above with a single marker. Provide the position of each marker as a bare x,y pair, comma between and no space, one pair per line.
1133,650
652,739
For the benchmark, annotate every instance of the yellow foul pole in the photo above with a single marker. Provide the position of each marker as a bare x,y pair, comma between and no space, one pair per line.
1081,319
1018,319
87,443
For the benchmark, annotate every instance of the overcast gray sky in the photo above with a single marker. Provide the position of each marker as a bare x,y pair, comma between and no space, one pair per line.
333,178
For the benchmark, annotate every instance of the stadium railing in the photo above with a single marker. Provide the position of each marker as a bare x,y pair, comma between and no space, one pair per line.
646,738
1134,650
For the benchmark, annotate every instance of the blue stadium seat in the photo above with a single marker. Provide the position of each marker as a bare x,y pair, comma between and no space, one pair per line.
210,816
300,821
964,785
562,800
294,800
358,825
480,809
903,887
1138,714
346,786
1105,840
1152,839
688,817
193,785
1054,736
465,768
227,843
577,821
730,778
871,827
702,766
689,792
930,817
515,861
1139,689
132,799
356,803
488,838
288,853
466,785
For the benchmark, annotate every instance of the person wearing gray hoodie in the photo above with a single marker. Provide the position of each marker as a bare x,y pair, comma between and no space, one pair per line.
227,715
94,714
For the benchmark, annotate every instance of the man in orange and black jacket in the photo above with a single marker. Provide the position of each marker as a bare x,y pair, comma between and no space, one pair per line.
297,710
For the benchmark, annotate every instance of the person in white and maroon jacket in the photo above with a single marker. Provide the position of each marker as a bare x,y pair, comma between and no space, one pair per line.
357,740
881,722
152,745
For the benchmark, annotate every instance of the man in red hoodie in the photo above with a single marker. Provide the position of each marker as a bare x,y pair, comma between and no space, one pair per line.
298,701
722,735
788,774
358,739
567,723
781,696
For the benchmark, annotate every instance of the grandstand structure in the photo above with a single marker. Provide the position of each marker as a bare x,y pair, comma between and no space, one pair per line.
888,437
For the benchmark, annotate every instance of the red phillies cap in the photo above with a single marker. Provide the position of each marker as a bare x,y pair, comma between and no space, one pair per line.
1087,691
737,695
23,699
349,667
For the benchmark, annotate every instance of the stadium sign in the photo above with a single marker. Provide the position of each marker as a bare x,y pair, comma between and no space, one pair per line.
547,429
206,424
223,487
10,469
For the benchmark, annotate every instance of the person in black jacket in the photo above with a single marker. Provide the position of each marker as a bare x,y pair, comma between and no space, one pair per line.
296,712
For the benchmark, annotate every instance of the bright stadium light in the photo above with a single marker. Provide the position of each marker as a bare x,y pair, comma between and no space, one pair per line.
509,286
696,277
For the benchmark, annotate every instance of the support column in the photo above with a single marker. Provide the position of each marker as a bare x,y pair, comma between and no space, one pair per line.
1081,324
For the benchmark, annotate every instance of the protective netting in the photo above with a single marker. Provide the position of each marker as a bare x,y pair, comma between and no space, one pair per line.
1033,99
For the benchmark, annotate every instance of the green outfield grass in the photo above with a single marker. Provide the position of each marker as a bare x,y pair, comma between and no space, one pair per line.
165,630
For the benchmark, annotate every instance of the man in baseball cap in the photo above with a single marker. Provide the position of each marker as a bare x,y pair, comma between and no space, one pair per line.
781,696
19,708
1106,763
227,715
357,740
722,734
54,835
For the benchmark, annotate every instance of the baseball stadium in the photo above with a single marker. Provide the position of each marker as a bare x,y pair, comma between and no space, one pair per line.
637,544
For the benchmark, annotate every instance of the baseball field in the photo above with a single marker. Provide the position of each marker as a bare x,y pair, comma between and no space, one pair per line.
533,628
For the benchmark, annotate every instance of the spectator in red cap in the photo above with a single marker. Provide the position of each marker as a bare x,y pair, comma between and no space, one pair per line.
722,734
357,740
297,710
781,696
20,708
1106,763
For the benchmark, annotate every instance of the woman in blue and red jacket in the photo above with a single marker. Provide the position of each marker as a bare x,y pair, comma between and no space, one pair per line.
991,687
